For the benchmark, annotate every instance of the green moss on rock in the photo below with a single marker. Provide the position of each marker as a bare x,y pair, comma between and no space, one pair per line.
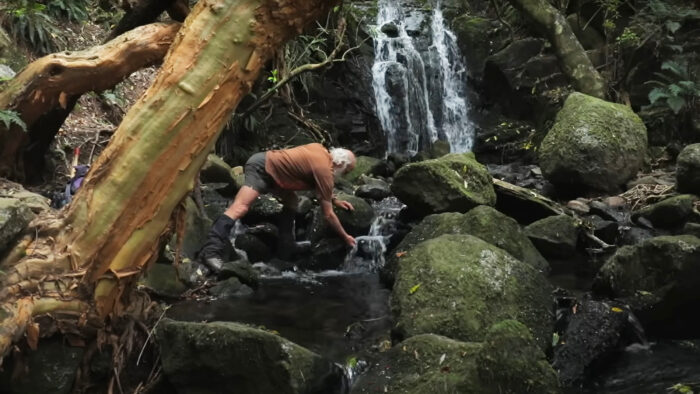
362,167
688,172
458,285
669,213
453,183
593,144
554,236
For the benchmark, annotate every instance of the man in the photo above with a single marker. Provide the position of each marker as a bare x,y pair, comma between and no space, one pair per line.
281,172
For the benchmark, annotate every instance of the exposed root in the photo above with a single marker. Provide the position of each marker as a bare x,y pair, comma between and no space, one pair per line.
645,194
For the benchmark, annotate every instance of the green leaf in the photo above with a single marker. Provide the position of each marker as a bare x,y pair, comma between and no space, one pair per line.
673,26
11,117
690,87
336,8
414,289
675,89
676,103
555,339
656,94
352,362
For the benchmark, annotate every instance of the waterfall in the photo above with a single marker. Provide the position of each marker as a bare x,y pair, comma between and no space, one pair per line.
368,253
401,85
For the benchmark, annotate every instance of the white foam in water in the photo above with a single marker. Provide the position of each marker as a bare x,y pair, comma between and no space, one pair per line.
368,253
407,117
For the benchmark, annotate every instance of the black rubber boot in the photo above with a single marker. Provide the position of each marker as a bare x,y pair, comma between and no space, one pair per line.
217,248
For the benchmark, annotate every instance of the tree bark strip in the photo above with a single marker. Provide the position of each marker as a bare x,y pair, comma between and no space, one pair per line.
572,57
45,89
112,227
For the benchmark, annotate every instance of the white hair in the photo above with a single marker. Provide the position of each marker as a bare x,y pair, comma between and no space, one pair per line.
341,157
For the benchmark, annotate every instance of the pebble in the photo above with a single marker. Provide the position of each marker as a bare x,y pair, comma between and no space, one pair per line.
578,206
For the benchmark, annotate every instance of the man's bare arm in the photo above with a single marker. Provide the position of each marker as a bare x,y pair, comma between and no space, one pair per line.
332,219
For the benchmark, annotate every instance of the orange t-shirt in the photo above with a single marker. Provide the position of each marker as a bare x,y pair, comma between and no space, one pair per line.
302,168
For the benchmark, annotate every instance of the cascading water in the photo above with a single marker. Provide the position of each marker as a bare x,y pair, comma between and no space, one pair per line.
368,254
409,118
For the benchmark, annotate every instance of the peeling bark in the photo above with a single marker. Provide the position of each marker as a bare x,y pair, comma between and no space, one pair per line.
111,230
572,57
44,92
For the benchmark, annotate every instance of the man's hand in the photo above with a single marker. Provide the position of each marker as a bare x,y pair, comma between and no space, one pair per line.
350,240
344,205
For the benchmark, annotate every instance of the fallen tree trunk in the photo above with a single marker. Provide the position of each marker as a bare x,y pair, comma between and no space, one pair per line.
572,57
45,91
87,259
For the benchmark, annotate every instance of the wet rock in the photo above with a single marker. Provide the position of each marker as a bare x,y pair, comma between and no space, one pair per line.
265,209
692,229
255,249
688,169
355,222
51,368
14,218
374,189
608,212
196,229
669,213
511,362
304,207
606,230
635,235
362,167
390,29
327,254
653,369
266,232
214,203
594,333
228,288
458,285
214,357
192,273
554,236
478,37
453,183
420,364
660,279
242,270
579,207
162,279
593,144
507,362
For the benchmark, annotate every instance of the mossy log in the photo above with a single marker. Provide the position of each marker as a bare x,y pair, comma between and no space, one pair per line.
44,92
93,252
572,57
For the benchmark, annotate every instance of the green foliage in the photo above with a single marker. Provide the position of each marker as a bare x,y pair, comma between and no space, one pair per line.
28,21
73,10
660,23
628,38
8,118
677,87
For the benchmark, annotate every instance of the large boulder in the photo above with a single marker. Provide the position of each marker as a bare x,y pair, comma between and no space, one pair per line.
458,285
660,279
356,222
363,166
14,217
220,357
452,183
669,213
593,144
482,222
508,361
162,279
554,236
688,170
477,38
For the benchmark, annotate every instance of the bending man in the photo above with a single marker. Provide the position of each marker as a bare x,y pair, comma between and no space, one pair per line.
281,172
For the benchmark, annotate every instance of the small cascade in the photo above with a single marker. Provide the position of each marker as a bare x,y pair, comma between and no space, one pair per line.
368,253
419,98
400,84
453,120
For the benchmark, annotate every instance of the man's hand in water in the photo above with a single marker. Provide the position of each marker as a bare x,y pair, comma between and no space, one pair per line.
344,205
350,240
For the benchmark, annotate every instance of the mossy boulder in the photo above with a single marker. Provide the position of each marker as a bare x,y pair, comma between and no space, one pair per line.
216,357
510,361
163,280
363,166
453,183
458,285
593,145
265,208
688,170
554,236
14,218
669,213
474,39
482,222
507,362
660,279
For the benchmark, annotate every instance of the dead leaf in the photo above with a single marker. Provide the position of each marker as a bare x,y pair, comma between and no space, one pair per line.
400,254
32,335
63,100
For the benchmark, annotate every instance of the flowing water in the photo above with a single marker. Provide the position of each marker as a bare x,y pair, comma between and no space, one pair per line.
409,118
